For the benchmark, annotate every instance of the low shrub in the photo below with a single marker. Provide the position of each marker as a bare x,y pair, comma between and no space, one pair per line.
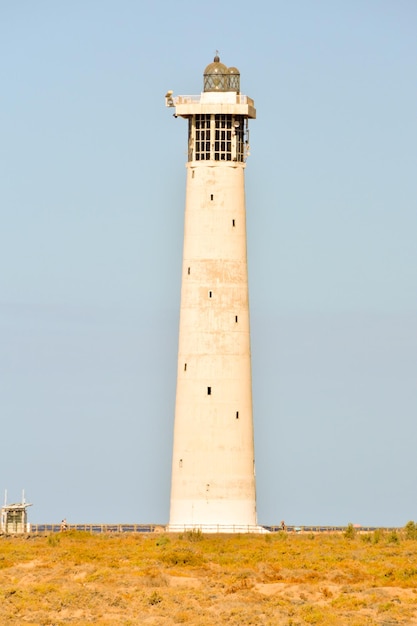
182,556
194,535
350,532
410,530
163,540
154,598
393,537
54,540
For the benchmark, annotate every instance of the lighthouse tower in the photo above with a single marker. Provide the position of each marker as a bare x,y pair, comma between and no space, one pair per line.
213,465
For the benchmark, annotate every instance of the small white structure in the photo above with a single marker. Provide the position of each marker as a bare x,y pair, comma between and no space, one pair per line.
213,465
13,517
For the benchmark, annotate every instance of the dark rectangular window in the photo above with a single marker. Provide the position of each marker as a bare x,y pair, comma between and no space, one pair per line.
223,137
211,197
237,415
236,319
202,139
233,223
209,391
185,367
210,294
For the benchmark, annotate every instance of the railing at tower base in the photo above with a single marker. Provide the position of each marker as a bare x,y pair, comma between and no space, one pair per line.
40,529
216,528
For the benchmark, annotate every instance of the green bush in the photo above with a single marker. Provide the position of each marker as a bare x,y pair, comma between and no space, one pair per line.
393,537
163,540
350,532
54,540
182,557
411,530
410,572
154,598
194,535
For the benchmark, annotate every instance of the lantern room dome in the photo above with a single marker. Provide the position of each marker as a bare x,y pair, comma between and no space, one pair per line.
234,79
218,77
215,68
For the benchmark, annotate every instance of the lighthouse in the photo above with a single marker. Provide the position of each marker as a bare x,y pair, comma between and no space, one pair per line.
213,462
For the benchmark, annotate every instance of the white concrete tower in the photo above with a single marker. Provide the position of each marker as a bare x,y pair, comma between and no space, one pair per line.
213,466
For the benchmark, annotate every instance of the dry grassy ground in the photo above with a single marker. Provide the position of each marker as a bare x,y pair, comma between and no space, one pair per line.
77,578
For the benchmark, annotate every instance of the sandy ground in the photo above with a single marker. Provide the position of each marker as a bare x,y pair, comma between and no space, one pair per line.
73,585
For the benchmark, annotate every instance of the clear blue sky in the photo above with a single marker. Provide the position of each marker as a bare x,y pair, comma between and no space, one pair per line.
92,185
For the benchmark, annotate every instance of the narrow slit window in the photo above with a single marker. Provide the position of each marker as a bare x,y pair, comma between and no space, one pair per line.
209,391
236,319
211,197
185,367
237,415
189,271
192,174
233,223
210,294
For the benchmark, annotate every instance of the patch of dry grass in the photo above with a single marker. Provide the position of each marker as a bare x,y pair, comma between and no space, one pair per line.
208,580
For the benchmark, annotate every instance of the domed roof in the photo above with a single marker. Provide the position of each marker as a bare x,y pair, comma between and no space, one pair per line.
216,67
218,77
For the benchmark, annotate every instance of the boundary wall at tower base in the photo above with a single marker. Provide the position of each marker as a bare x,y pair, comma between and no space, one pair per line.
216,528
41,529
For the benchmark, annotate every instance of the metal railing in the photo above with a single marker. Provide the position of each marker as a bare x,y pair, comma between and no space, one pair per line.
98,528
174,100
327,529
204,528
216,528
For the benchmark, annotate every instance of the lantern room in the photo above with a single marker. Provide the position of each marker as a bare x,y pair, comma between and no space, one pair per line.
218,77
